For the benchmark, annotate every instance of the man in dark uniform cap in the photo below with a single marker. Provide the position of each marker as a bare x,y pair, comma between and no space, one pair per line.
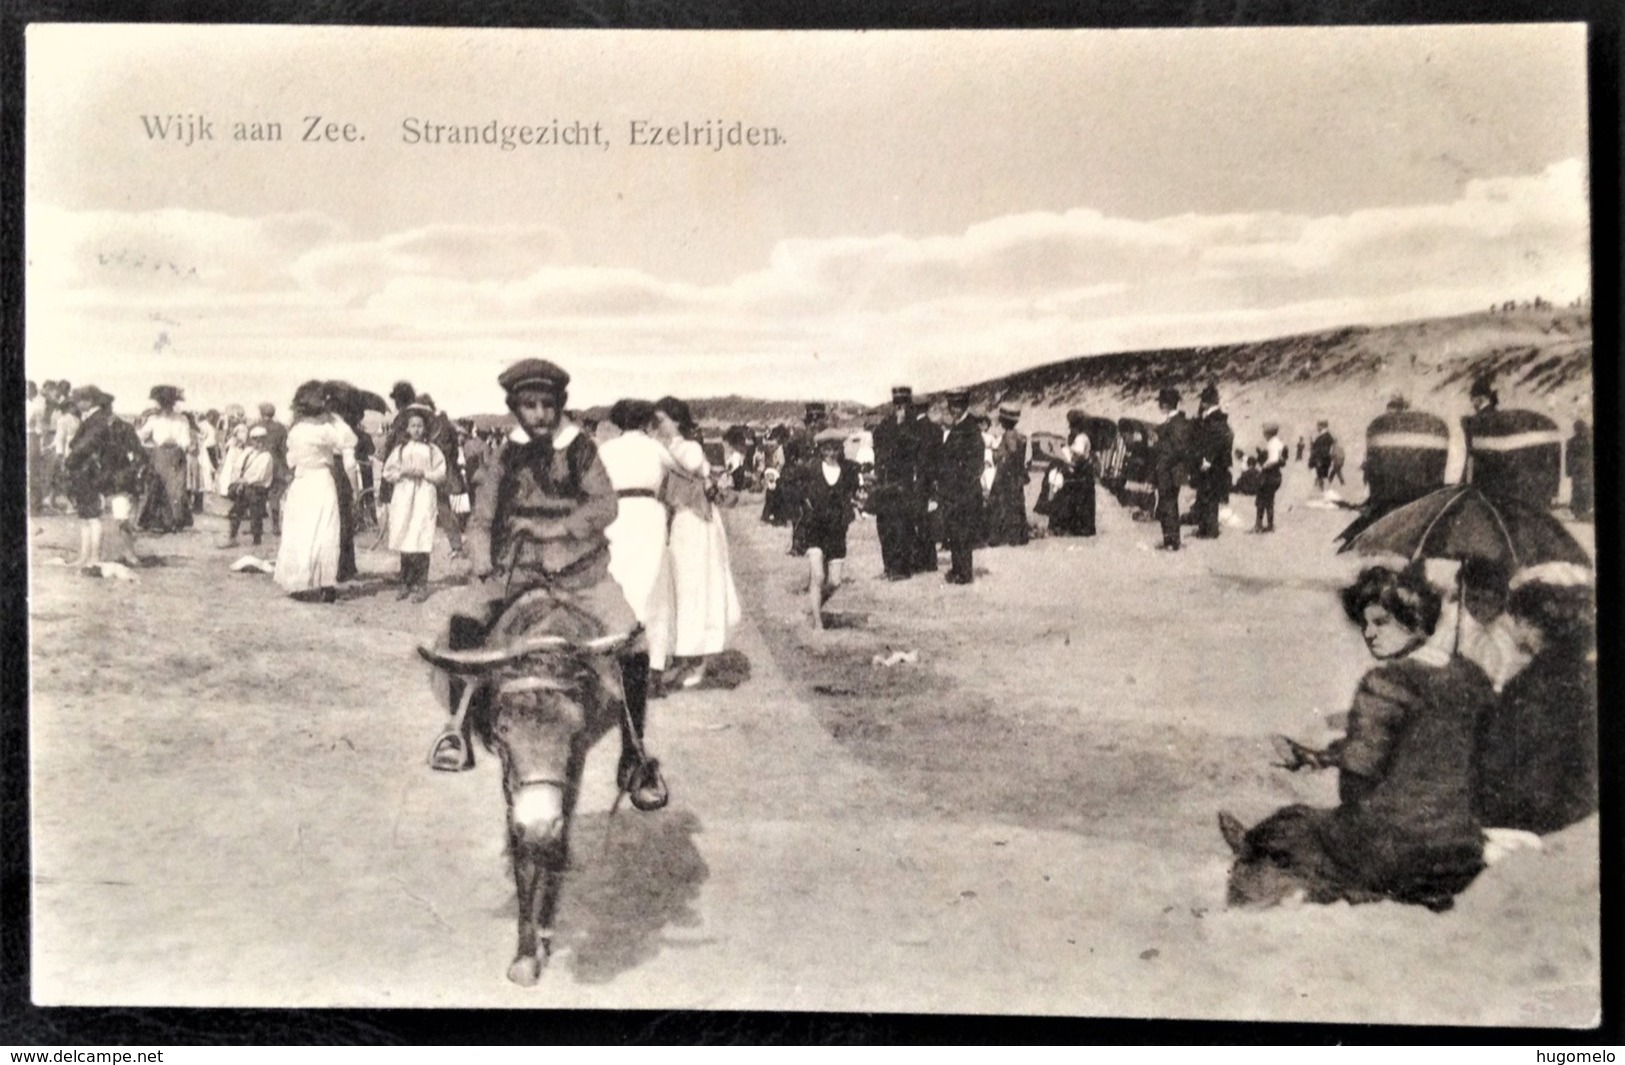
1212,439
1405,456
959,487
1170,456
540,523
898,498
1514,453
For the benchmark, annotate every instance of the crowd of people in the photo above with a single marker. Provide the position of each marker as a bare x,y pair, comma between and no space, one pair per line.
1480,714
320,478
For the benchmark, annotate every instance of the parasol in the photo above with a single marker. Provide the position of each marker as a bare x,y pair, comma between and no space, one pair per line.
1461,522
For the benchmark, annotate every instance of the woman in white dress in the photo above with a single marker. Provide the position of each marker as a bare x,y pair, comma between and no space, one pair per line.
416,469
307,560
637,465
707,605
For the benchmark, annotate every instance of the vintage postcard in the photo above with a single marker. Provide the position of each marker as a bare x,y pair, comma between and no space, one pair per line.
1068,522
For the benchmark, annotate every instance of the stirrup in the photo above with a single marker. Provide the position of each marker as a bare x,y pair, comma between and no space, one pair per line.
451,753
639,779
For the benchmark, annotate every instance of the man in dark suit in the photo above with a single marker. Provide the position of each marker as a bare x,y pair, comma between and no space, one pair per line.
1170,460
928,439
959,487
898,497
1210,467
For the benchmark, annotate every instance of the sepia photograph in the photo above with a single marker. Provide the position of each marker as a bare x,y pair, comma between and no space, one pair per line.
1076,523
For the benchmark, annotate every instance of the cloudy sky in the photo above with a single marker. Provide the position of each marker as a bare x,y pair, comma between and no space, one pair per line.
943,207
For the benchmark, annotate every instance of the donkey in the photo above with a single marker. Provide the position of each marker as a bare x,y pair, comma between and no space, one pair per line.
539,695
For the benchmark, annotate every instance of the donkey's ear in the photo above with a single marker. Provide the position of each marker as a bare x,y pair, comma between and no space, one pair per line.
1234,832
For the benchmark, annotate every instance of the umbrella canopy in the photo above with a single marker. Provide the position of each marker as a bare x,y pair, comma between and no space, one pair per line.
1460,522
350,402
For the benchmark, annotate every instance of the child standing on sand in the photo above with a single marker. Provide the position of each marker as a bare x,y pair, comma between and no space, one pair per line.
415,469
251,487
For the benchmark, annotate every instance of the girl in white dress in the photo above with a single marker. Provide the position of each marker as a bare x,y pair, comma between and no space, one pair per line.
707,604
307,560
417,469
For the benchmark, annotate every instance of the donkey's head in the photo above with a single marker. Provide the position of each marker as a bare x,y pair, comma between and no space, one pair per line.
551,674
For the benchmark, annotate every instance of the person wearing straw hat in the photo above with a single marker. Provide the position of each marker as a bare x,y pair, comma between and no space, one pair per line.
1007,498
959,487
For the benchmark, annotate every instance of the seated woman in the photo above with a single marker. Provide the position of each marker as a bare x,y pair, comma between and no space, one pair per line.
1404,827
1537,745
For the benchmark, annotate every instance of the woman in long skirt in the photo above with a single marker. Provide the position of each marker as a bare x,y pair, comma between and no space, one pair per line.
1070,486
638,465
707,603
307,561
168,433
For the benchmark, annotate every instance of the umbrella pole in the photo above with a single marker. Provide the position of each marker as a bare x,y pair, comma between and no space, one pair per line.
1461,605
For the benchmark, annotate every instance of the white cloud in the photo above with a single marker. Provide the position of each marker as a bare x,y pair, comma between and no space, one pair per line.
272,298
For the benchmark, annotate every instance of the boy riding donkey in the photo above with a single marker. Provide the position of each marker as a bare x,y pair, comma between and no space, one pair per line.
538,524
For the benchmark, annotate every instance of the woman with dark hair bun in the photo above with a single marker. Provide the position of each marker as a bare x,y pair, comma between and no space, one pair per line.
307,561
171,439
707,605
1537,747
1404,828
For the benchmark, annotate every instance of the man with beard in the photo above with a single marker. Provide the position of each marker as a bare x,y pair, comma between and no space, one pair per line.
1212,441
898,498
1170,456
959,487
